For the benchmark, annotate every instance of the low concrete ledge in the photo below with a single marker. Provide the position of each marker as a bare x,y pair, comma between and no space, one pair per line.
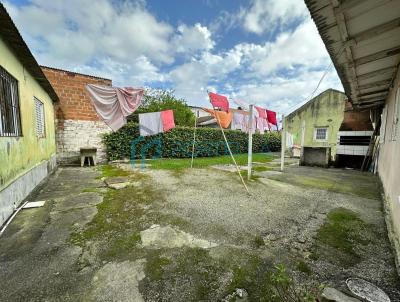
12,195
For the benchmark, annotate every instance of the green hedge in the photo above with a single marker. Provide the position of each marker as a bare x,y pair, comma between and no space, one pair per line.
177,143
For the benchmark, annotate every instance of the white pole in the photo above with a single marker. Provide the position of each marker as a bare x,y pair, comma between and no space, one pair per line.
283,142
250,147
194,138
230,152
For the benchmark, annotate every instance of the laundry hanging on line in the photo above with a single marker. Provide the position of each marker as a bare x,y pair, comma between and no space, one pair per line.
262,113
271,117
114,104
153,123
222,117
239,121
219,101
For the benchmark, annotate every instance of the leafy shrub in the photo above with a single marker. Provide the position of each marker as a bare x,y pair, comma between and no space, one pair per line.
177,143
158,100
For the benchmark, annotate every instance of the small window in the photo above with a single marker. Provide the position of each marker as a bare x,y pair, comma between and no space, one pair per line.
39,109
321,134
10,122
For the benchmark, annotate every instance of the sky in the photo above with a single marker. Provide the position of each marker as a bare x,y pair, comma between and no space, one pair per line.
265,52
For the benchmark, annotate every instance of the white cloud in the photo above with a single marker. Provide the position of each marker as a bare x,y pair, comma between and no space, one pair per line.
267,15
288,51
193,38
192,79
76,31
125,42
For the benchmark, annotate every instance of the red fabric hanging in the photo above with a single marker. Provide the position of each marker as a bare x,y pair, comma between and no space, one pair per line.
167,117
219,101
261,112
271,116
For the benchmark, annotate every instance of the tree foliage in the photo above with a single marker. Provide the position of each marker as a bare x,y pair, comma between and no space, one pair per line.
156,100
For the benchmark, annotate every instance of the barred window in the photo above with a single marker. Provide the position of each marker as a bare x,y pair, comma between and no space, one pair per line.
321,134
10,121
39,109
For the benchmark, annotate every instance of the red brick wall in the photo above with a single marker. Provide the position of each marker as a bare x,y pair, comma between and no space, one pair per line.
74,101
355,120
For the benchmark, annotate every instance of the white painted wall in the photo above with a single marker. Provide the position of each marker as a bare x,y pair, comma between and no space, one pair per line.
78,134
389,163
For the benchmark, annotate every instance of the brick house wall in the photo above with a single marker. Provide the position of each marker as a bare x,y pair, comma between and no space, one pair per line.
77,123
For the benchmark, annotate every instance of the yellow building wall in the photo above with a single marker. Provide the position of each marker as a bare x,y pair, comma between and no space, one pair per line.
326,110
20,154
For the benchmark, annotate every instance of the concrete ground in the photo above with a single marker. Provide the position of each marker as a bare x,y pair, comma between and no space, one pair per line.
196,235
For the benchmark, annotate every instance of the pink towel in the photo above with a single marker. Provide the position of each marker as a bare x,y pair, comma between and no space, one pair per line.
114,104
167,118
261,112
219,101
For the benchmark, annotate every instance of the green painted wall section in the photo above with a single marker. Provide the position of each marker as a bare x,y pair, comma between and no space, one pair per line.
325,110
20,154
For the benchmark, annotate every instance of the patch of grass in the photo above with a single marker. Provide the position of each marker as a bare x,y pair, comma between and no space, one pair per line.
303,267
204,162
258,241
262,168
340,236
112,171
192,275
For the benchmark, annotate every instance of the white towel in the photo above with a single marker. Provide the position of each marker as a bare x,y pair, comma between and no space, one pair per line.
237,121
150,123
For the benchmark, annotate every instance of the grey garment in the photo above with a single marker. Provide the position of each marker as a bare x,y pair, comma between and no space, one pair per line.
150,123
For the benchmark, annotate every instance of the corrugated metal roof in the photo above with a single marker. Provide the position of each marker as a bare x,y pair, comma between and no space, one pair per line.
11,35
363,40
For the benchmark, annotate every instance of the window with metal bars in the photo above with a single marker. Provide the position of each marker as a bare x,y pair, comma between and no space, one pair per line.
40,124
10,120
321,134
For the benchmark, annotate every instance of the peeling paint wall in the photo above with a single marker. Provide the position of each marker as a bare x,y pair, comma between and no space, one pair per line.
18,155
389,163
325,110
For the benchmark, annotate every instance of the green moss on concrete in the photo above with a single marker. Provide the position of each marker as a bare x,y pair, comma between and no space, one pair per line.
339,238
356,184
262,168
112,171
155,265
119,219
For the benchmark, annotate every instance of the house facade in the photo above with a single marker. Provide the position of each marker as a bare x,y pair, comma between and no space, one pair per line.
27,130
363,41
77,123
316,123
